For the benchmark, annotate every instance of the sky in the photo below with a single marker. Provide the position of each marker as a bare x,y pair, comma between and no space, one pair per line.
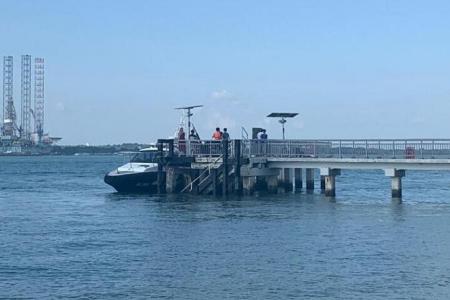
115,70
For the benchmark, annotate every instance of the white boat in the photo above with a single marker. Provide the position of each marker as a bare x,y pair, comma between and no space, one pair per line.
137,176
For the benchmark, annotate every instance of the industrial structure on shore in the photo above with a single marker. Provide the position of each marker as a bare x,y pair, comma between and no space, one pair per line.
24,136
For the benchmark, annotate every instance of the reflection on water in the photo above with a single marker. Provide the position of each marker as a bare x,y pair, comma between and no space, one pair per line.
66,234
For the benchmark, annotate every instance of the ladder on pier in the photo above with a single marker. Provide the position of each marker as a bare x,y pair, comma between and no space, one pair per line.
210,181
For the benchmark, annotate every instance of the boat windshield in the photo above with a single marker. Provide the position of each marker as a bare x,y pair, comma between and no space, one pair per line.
147,156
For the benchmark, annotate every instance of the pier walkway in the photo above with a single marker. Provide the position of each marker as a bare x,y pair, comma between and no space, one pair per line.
276,165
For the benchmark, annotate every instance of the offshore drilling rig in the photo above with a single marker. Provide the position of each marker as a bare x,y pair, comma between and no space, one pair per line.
28,135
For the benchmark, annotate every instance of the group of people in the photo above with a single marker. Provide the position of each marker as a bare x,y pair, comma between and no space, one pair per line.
193,137
219,135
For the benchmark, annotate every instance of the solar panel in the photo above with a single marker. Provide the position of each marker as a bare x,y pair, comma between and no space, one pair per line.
282,115
189,107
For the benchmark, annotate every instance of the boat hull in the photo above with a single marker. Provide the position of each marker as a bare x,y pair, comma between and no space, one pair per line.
130,182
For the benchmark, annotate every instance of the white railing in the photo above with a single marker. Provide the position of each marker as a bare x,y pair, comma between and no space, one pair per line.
370,148
210,148
344,148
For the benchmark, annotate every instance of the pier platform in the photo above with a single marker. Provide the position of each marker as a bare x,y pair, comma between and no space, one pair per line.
275,166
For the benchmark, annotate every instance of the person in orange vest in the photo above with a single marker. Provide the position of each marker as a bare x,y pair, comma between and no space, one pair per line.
217,135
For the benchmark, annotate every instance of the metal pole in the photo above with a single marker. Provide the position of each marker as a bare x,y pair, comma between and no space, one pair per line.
225,167
367,150
340,149
188,144
421,148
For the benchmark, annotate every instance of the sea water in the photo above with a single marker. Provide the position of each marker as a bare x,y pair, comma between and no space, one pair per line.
66,234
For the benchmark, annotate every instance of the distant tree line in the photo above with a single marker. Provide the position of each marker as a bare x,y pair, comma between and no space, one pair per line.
102,149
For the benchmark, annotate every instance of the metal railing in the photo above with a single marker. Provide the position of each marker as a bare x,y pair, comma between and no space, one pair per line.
190,185
344,148
207,148
370,148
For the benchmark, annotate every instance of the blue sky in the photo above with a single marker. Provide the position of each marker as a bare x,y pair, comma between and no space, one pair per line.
352,69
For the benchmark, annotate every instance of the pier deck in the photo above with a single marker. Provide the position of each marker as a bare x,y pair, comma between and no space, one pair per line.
245,166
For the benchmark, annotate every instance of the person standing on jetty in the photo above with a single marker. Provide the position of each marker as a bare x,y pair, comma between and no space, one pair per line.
225,134
262,137
217,135
182,140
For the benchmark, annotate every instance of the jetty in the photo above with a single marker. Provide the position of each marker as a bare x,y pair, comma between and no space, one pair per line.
244,166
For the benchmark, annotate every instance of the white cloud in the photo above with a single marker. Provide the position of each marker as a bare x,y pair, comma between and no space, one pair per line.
224,95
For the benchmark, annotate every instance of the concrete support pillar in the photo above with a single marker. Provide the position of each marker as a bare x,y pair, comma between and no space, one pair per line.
322,184
170,180
215,181
193,175
248,184
309,179
237,167
287,179
298,179
272,184
330,186
396,181
330,180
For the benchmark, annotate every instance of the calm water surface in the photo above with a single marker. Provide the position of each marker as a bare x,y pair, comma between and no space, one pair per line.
65,234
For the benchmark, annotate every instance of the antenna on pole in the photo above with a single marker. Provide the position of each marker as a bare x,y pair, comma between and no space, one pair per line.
282,119
189,114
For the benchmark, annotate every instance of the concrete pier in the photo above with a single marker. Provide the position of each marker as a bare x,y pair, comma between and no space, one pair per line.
330,180
322,184
272,184
234,166
249,183
287,179
309,179
298,179
396,181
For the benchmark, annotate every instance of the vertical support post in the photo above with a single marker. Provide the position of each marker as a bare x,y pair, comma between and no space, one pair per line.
298,179
237,167
272,184
171,179
160,179
396,181
289,148
293,179
171,148
225,167
287,179
393,148
330,186
194,174
322,184
249,183
329,176
367,150
379,149
353,148
214,179
309,179
421,149
432,149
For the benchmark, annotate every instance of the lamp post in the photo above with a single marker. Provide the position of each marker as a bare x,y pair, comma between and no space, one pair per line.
282,119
